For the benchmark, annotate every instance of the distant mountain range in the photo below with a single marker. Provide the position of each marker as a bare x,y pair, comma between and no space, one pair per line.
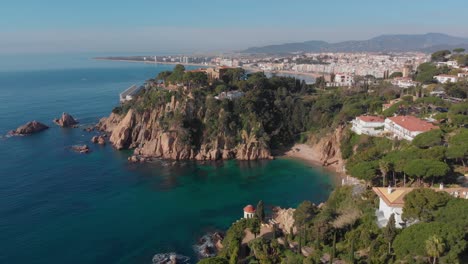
429,42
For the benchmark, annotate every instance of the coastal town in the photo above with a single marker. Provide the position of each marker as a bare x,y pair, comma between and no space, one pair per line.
246,132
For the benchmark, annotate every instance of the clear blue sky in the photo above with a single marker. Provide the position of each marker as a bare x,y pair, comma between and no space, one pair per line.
209,25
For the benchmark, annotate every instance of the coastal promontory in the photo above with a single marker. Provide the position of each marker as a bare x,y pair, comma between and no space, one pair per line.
184,115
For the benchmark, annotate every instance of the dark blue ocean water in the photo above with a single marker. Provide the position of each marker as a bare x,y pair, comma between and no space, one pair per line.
57,206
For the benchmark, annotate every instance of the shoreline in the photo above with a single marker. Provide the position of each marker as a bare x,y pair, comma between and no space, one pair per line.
307,154
307,74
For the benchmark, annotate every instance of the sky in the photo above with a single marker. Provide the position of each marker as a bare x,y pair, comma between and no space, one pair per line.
55,26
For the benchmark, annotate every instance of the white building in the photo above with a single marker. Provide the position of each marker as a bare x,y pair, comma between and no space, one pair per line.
451,64
392,202
368,125
129,93
404,82
249,211
406,127
231,95
444,78
344,79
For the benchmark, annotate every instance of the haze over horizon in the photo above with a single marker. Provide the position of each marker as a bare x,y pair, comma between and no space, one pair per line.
210,26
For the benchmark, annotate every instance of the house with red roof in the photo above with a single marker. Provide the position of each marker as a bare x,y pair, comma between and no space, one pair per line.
406,127
249,211
368,125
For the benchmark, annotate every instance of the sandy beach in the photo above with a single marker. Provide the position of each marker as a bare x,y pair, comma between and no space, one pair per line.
311,156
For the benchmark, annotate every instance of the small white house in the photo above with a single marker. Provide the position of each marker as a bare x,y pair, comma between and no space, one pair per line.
444,78
368,125
404,82
406,127
249,211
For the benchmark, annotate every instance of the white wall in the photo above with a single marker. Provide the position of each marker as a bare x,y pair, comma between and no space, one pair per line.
388,211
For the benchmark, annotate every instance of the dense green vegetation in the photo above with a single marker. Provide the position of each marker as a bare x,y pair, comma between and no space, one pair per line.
431,157
345,228
277,111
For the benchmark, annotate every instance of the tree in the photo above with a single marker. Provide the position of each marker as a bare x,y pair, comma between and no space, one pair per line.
320,82
428,139
421,204
434,247
426,169
459,50
333,250
384,167
364,170
458,114
458,146
255,227
260,212
426,72
304,213
389,232
440,55
396,74
162,76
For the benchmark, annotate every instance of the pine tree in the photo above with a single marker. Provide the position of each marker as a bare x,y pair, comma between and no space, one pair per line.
333,252
260,212
351,252
389,232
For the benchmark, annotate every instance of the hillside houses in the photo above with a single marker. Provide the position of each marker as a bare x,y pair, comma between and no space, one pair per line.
398,127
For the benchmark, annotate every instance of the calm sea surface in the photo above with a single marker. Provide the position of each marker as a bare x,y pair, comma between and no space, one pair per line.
57,206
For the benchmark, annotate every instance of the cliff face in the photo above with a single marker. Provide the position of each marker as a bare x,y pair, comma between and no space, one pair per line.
328,149
151,135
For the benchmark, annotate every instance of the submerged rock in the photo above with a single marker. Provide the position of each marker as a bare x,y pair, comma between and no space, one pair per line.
84,149
98,140
28,128
66,121
170,258
209,244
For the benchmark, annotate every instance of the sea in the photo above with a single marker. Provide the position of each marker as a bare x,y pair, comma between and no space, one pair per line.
58,206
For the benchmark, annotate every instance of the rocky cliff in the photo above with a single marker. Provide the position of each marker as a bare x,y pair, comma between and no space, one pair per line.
176,130
328,149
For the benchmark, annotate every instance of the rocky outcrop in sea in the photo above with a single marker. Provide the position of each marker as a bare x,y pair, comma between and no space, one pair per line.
66,121
170,258
28,128
209,245
83,149
150,137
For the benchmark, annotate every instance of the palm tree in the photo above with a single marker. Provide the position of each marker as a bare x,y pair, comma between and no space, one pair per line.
384,167
434,247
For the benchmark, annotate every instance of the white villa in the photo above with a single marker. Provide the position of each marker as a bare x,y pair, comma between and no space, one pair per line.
368,125
406,127
249,211
342,80
392,202
404,82
444,78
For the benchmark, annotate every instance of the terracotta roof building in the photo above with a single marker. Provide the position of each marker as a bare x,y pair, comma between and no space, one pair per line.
368,125
407,127
392,201
249,211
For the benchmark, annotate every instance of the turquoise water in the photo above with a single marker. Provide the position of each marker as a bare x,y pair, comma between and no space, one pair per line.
57,206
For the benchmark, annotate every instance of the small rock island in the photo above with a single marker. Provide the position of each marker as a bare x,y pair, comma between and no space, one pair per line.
28,128
66,121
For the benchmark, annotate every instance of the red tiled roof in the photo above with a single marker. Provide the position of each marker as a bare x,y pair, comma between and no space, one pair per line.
412,123
371,118
249,209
